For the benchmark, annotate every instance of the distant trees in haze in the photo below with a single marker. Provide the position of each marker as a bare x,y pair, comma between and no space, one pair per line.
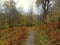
12,14
12,17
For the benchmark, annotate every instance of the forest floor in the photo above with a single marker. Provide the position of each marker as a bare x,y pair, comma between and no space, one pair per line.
37,35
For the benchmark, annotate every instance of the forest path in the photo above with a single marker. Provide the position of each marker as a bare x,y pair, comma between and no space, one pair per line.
31,37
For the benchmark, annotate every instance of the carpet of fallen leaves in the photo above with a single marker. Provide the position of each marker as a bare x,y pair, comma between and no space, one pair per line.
52,29
17,35
13,36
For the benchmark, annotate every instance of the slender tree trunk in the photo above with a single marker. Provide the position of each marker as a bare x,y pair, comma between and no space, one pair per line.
45,8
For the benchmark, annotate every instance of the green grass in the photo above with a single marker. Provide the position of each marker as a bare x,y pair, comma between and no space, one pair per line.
41,38
1,28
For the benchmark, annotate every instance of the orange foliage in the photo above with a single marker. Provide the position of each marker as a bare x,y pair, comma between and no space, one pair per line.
21,37
15,34
51,30
52,25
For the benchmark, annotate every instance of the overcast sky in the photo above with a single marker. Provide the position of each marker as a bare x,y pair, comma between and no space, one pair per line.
26,4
